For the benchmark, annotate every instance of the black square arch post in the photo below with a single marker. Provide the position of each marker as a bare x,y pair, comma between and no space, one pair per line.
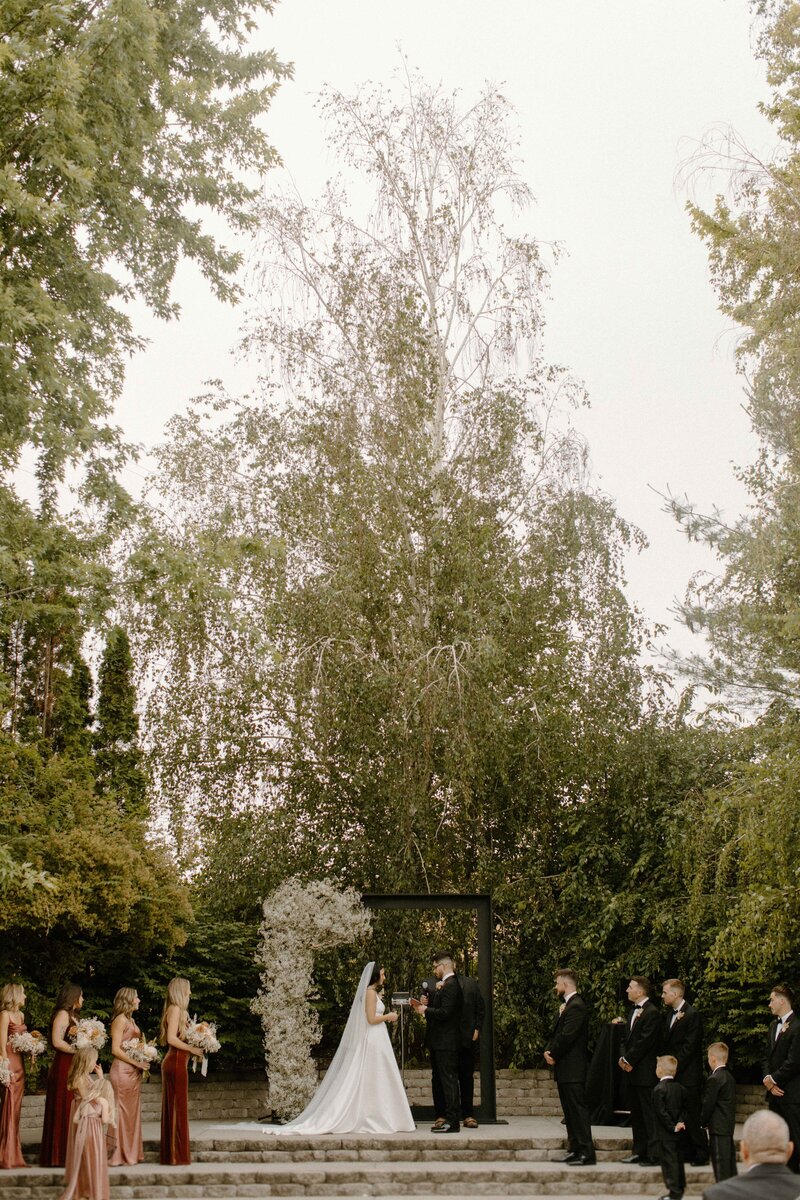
482,906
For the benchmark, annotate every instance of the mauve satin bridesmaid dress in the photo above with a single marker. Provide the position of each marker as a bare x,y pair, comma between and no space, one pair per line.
127,1084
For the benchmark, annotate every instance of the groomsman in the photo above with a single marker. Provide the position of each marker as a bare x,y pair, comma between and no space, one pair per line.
781,1067
568,1053
638,1060
682,1037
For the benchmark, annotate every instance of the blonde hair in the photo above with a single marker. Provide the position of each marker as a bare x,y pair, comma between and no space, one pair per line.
84,1060
676,985
124,1002
668,1063
719,1050
11,997
177,995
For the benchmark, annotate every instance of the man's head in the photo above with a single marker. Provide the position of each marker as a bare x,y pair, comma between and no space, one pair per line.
666,1064
566,983
442,964
638,989
717,1055
672,992
780,1000
765,1139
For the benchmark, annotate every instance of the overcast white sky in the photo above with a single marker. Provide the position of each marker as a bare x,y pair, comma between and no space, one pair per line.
610,95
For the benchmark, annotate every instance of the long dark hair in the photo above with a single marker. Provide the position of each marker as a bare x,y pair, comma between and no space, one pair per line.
66,1000
375,977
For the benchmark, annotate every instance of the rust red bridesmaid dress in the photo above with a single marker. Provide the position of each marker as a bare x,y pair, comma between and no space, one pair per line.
175,1108
57,1111
127,1084
11,1101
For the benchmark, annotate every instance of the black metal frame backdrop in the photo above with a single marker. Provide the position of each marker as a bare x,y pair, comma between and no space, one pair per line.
482,906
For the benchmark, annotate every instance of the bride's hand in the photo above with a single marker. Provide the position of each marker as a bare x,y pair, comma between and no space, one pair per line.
391,1018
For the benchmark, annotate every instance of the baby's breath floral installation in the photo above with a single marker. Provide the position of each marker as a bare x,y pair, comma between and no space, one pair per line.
300,919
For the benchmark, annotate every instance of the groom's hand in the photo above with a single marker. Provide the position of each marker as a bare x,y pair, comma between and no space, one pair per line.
417,1006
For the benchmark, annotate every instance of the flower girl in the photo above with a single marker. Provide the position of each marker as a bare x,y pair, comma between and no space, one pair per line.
86,1173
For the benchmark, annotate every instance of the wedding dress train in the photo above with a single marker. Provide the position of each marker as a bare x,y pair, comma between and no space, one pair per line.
362,1091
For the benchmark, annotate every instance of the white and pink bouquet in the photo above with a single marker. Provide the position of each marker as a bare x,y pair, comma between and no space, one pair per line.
142,1052
5,1072
88,1032
30,1042
203,1035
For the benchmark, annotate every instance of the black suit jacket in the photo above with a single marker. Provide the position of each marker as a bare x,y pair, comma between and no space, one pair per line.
473,1009
764,1181
569,1042
685,1041
443,1017
782,1060
640,1046
669,1105
719,1103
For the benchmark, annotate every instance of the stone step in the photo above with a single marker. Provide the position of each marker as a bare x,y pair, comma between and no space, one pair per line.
376,1179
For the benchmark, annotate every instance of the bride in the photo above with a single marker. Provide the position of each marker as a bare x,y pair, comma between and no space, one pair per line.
362,1091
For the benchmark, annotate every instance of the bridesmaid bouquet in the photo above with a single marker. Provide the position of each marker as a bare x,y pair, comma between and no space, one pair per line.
88,1032
202,1034
31,1043
143,1052
5,1072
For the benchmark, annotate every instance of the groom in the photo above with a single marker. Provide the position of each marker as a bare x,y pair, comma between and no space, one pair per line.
443,1036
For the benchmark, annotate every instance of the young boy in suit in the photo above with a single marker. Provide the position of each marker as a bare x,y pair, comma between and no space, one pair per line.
718,1113
669,1105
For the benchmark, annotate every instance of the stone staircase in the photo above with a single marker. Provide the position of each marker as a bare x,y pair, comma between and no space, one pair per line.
491,1162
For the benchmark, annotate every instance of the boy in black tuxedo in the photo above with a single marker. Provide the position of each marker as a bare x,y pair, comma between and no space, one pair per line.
669,1105
718,1113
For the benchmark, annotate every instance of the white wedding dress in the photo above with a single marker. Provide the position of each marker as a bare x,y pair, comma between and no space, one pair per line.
362,1091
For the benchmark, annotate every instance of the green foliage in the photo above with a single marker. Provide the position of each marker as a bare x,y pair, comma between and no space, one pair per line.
117,755
120,122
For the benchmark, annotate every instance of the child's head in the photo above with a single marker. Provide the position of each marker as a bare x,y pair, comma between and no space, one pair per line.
717,1055
84,1061
666,1065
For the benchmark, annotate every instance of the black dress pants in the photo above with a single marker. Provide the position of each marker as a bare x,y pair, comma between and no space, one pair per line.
576,1116
695,1138
643,1122
672,1167
444,1077
791,1115
466,1080
723,1156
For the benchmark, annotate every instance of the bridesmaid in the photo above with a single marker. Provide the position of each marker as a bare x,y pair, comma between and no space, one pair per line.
86,1174
12,1020
126,1080
174,1075
58,1104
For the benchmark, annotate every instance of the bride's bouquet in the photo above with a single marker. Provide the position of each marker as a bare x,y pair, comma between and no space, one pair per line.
203,1035
5,1072
142,1052
30,1042
88,1032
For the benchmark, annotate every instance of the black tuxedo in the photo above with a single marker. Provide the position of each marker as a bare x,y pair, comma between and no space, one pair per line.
639,1048
718,1115
782,1062
443,1039
473,1010
669,1107
683,1038
569,1046
764,1181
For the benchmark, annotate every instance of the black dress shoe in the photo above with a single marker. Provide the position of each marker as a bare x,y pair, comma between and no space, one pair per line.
648,1162
567,1158
631,1158
582,1160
